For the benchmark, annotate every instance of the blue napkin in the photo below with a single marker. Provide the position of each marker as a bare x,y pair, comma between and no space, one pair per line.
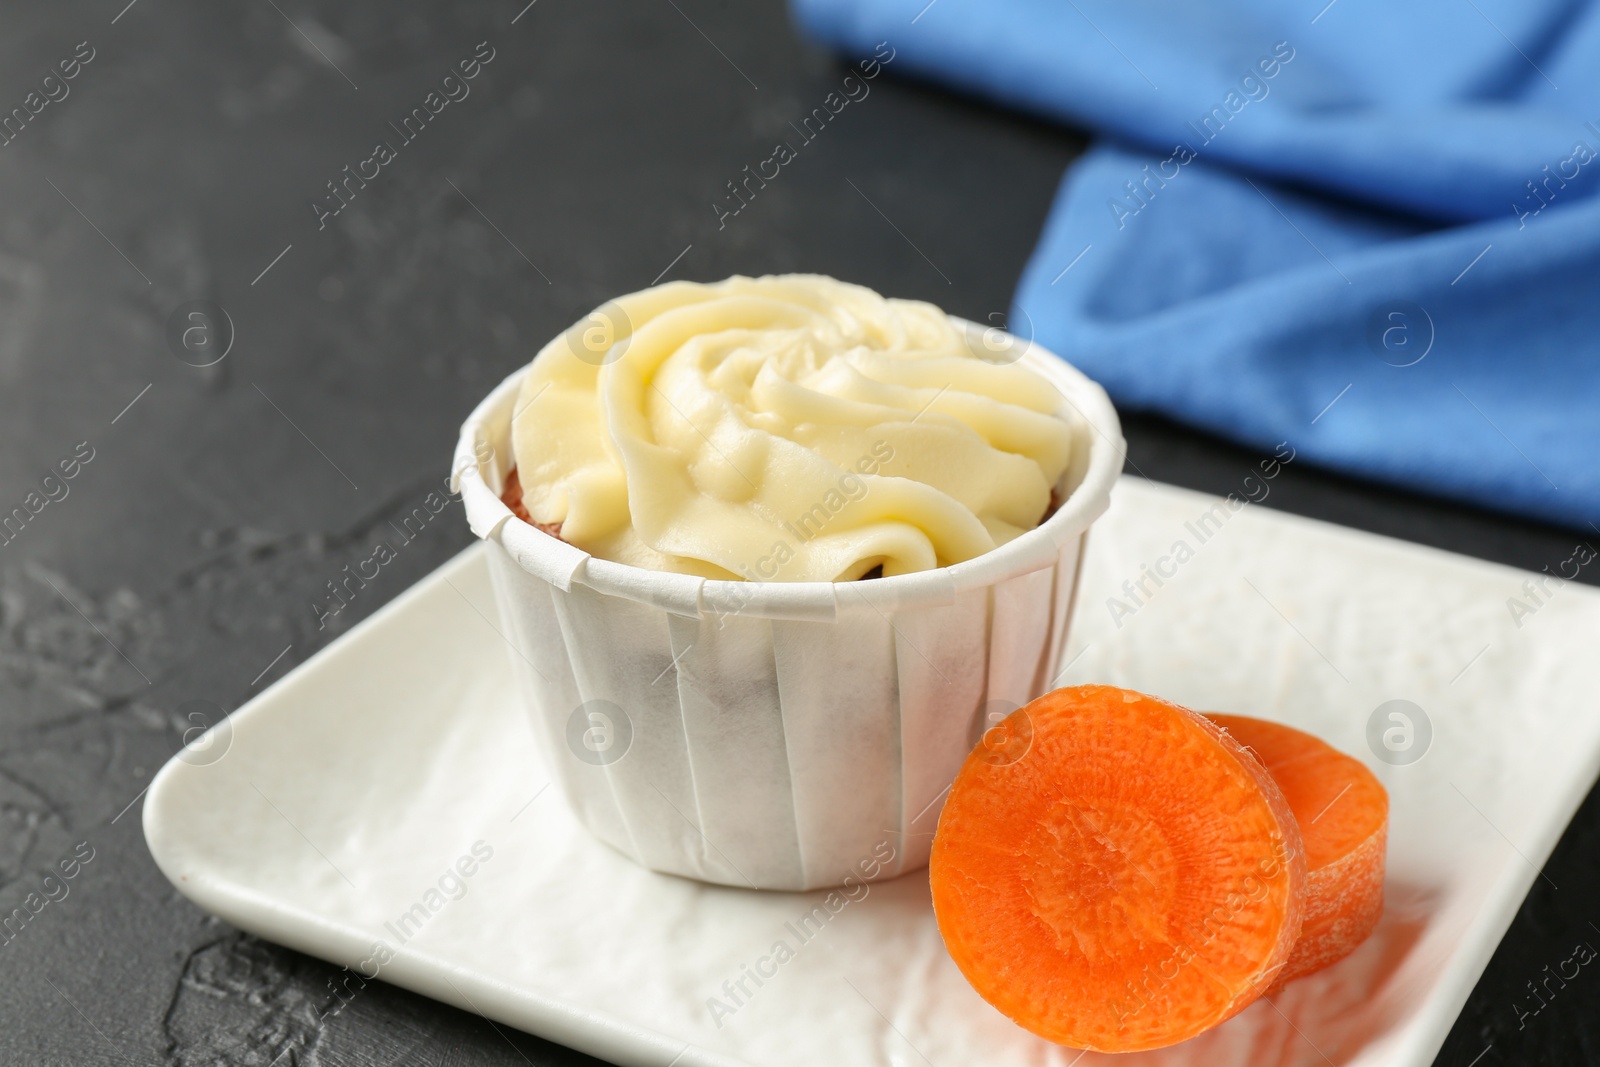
1366,229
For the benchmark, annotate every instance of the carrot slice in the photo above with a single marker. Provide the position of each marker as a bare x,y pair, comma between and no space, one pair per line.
1112,872
1343,812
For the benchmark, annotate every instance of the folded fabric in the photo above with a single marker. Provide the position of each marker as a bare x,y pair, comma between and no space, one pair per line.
1369,232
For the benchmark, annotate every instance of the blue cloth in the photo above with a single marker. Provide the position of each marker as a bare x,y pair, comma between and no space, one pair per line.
1367,229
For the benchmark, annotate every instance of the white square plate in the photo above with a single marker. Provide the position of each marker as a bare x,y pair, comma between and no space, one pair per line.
337,814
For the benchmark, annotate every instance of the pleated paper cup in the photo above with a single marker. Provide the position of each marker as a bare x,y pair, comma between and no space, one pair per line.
779,735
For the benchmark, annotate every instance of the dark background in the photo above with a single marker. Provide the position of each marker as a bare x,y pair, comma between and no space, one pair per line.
191,548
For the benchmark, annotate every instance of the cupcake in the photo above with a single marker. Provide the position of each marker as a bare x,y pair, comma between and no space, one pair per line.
771,554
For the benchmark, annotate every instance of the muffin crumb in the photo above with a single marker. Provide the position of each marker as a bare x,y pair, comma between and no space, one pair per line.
512,498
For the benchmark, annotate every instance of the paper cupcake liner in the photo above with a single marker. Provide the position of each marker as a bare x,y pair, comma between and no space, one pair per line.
778,735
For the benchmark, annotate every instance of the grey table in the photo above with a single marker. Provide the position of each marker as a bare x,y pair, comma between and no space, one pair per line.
175,574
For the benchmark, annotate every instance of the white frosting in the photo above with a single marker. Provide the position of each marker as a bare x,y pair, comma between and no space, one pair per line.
790,428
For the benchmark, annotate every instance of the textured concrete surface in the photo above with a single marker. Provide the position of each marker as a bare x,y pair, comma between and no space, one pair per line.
176,572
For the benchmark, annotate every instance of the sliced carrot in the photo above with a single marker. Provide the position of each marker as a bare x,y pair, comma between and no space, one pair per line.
1113,872
1343,812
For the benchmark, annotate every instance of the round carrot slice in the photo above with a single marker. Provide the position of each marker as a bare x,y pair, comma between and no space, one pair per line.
1112,872
1343,812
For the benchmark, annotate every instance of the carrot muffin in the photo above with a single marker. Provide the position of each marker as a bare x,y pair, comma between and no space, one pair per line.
678,497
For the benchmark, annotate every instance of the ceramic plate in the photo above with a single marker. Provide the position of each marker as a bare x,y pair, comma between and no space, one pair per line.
384,807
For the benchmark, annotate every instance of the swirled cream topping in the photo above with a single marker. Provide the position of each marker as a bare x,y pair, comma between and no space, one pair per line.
789,428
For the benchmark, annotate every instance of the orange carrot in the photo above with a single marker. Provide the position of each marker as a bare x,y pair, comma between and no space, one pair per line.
1343,814
1112,872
